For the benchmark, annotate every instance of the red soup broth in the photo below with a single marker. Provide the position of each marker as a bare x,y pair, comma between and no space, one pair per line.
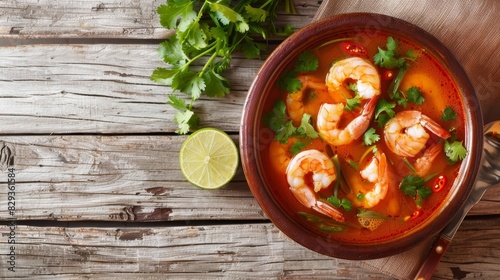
398,209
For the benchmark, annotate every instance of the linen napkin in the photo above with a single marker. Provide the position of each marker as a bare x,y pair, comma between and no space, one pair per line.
470,29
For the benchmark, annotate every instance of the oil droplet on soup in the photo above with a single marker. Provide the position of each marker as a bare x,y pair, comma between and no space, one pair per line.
375,214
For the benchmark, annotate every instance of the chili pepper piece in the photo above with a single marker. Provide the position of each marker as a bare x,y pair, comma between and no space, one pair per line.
417,213
388,75
439,183
353,48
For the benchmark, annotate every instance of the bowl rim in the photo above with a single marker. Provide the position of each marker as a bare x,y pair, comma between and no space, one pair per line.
249,128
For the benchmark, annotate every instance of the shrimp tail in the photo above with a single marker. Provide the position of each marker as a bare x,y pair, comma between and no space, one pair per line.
325,209
424,163
434,127
360,124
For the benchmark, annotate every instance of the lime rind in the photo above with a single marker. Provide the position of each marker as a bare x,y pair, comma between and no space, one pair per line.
209,158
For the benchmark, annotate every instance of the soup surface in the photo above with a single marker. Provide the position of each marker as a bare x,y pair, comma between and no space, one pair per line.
367,137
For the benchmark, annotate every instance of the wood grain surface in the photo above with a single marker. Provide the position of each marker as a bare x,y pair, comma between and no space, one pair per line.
99,193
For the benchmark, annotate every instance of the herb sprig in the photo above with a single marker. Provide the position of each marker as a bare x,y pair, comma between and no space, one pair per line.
210,32
413,186
281,124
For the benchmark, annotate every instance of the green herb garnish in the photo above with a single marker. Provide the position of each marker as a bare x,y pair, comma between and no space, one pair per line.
455,151
280,123
413,186
449,114
384,111
305,62
210,32
337,202
370,137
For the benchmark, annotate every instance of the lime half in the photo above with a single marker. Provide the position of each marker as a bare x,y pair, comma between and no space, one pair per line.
208,158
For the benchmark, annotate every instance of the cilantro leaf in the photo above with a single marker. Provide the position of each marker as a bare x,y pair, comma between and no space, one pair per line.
215,84
277,120
288,81
297,147
306,129
352,103
185,121
224,13
337,202
386,58
189,82
163,75
306,62
194,36
252,49
185,118
384,111
449,114
422,193
370,137
414,95
384,106
410,184
174,11
277,117
255,14
285,132
455,151
177,103
171,51
413,186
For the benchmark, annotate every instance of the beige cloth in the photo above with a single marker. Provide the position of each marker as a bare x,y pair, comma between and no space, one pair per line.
470,29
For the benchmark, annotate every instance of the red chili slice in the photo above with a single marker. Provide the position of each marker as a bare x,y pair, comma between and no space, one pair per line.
388,74
415,214
439,183
353,48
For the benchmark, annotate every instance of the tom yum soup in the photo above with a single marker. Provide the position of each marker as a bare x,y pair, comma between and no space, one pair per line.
368,134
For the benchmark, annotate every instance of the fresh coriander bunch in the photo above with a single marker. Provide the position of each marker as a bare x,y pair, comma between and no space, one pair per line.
209,32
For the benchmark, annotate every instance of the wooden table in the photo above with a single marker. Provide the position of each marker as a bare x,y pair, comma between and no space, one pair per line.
98,191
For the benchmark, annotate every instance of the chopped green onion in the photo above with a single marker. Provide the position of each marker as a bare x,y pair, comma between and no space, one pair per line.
365,154
412,168
352,163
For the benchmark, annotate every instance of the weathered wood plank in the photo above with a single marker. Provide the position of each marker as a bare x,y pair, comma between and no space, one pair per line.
101,89
124,178
114,178
22,19
231,251
247,251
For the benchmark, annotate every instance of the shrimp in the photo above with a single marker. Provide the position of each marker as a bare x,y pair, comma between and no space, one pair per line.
423,164
329,117
354,68
368,87
280,155
295,101
323,174
376,172
405,134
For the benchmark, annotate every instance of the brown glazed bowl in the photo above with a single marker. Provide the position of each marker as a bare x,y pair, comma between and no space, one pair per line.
253,137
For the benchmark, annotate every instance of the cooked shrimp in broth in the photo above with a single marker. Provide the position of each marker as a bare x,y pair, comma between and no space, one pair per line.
323,174
329,119
356,69
375,138
375,172
367,81
295,101
405,134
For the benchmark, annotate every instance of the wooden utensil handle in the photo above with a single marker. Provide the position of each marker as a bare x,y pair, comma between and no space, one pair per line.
433,258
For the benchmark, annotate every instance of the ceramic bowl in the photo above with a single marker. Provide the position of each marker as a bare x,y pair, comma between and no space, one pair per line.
253,137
